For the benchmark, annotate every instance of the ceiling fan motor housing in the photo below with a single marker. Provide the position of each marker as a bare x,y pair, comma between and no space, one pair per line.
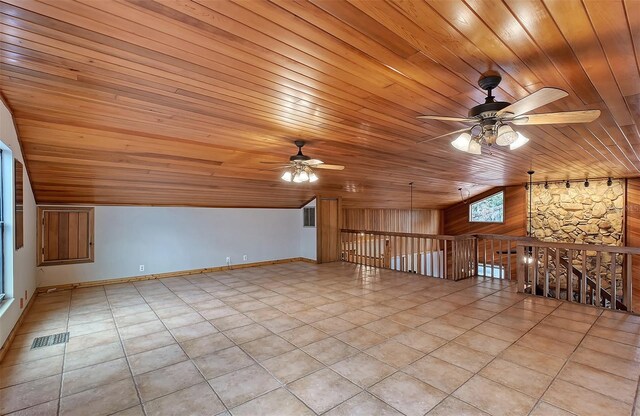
488,81
488,109
299,157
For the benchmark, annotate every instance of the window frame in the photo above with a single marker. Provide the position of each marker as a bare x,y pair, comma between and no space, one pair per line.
42,210
306,216
482,200
3,274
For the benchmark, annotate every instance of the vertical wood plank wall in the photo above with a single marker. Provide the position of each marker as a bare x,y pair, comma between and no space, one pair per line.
456,217
425,221
328,224
633,233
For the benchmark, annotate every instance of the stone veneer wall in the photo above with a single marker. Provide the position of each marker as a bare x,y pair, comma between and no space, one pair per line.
579,214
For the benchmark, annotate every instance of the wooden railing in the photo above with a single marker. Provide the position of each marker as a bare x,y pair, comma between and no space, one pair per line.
448,257
497,255
584,273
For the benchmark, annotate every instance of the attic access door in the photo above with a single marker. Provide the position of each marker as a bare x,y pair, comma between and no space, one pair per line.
328,229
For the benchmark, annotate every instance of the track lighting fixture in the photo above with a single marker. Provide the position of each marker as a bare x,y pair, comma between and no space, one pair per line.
567,182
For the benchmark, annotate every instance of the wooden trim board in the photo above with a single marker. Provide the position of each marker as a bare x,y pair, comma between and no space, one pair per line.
68,286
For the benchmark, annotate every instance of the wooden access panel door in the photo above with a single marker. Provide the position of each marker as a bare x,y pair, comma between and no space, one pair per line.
328,229
65,235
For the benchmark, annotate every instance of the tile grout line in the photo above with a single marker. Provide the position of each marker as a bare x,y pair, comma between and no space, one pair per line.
567,360
289,314
126,357
177,343
256,362
64,356
285,385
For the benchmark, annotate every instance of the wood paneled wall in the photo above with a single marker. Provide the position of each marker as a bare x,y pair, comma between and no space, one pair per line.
425,221
632,238
328,228
456,217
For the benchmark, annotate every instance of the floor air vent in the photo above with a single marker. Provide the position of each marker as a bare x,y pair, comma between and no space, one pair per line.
50,340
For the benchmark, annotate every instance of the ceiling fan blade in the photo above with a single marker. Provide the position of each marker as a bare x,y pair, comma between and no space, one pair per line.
313,162
566,117
442,135
330,167
445,118
277,167
539,98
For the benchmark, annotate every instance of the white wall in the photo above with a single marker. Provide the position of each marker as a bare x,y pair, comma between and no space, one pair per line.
176,239
308,241
21,266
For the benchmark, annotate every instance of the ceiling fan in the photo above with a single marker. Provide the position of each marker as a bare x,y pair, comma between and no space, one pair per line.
491,121
301,167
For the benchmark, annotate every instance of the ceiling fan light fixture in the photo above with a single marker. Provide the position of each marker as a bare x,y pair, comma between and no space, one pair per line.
304,176
520,141
313,177
286,176
474,147
462,142
506,135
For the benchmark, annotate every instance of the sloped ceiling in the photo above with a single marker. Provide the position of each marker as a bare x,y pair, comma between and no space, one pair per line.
178,102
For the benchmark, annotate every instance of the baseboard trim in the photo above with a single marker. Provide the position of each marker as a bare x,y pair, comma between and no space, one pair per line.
14,331
92,283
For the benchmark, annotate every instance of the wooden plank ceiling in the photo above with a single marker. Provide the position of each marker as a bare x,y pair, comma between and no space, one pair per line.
176,102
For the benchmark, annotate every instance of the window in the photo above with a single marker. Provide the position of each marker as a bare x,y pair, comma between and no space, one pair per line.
65,235
488,270
2,274
309,216
489,209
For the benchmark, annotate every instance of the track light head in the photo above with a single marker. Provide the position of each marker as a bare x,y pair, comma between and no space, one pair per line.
586,183
609,182
526,186
546,185
567,185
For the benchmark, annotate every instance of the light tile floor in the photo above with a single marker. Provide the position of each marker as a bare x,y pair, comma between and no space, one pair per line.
335,339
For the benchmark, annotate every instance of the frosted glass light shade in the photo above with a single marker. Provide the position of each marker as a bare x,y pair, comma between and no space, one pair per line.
474,148
506,136
520,141
462,142
313,177
286,176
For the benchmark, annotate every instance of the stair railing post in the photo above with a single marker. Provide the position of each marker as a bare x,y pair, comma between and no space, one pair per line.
521,266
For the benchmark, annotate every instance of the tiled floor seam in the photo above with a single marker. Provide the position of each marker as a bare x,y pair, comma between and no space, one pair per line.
459,306
190,359
567,360
497,356
64,356
126,357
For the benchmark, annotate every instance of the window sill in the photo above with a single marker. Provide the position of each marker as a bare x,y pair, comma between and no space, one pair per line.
4,305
